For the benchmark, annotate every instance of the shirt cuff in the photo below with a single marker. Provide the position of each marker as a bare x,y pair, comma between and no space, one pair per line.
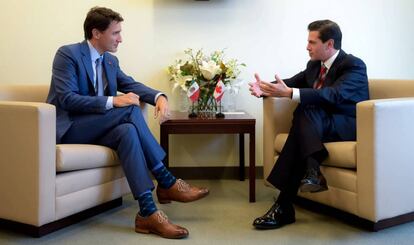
109,103
158,95
296,94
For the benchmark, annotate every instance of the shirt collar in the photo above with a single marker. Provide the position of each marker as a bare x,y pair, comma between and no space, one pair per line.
328,63
94,53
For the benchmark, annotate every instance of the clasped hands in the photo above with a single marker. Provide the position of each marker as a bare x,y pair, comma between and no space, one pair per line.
275,89
161,105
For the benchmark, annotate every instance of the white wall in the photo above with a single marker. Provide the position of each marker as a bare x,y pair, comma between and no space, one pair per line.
268,35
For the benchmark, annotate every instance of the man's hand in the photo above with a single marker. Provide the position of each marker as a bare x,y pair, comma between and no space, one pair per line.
126,100
278,89
161,109
255,87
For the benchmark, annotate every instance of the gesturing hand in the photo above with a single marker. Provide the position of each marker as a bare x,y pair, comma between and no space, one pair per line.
255,87
161,109
126,100
278,89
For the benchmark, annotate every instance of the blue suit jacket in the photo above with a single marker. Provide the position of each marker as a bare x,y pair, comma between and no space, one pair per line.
345,85
72,90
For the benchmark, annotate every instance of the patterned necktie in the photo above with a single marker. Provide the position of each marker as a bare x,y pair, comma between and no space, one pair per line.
322,75
99,89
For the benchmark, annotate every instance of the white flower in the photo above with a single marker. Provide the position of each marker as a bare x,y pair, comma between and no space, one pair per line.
209,69
181,80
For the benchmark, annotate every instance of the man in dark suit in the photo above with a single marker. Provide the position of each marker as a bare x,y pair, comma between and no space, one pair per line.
327,92
85,81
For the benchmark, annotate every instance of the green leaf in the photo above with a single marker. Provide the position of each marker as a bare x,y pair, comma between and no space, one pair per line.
187,68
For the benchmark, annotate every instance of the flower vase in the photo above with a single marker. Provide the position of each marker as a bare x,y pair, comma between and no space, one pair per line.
206,107
183,102
229,101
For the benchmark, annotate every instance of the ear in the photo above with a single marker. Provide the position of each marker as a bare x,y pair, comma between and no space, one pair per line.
96,33
330,43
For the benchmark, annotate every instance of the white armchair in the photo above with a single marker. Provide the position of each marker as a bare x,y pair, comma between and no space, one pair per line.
44,186
370,177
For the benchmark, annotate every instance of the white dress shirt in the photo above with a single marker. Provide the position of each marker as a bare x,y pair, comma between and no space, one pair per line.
328,63
95,55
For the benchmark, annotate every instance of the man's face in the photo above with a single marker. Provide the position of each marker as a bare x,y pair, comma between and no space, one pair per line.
109,39
316,48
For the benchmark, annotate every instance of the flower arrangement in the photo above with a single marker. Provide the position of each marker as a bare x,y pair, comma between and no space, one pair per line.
207,71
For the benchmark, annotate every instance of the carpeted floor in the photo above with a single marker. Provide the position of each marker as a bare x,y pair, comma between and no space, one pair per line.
224,217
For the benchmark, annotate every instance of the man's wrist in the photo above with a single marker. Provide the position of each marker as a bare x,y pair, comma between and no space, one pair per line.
290,93
158,96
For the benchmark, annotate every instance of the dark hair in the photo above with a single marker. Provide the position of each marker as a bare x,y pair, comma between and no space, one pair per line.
327,30
99,18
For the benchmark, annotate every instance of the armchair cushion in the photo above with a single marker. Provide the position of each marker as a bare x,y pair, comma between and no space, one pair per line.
71,157
341,154
73,181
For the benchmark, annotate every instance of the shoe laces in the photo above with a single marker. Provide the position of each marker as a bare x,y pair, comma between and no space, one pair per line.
183,186
162,217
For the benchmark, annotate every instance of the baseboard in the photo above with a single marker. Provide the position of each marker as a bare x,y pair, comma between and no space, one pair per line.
35,231
353,219
213,172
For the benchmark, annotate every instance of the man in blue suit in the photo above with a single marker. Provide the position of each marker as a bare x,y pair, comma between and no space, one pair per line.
85,81
327,92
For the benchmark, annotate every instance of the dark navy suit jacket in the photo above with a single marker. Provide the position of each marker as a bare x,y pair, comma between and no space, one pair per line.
345,85
72,90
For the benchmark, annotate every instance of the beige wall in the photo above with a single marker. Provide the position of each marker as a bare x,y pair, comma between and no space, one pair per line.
268,35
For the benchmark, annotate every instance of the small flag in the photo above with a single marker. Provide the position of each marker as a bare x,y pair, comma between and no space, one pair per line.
219,91
193,92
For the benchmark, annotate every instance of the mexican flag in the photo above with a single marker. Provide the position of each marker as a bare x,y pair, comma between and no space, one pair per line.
193,92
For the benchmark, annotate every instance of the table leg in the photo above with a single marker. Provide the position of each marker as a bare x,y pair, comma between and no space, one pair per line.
164,144
252,167
241,157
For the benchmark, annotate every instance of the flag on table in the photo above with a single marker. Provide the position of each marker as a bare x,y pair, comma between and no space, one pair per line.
219,90
193,92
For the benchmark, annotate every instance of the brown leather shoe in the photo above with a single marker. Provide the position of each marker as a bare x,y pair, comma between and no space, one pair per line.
180,192
159,224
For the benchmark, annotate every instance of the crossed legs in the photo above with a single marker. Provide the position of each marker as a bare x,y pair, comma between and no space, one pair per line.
298,163
125,131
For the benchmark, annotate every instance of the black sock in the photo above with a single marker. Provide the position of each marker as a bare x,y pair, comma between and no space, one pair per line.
284,199
312,163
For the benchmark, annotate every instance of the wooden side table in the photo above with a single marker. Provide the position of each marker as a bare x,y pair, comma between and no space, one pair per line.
180,123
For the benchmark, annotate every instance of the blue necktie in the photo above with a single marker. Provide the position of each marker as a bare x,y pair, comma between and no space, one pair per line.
99,89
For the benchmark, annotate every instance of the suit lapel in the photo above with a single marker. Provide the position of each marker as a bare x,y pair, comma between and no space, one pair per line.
86,59
110,71
313,73
333,70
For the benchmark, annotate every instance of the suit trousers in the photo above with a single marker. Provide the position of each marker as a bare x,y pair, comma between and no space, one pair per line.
311,126
125,131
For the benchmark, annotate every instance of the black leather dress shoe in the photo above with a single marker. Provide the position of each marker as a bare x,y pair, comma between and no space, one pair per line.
276,217
313,182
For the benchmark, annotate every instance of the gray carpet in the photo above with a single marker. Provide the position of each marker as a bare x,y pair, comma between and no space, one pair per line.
224,217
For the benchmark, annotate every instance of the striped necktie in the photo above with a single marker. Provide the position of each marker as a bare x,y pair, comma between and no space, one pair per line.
322,75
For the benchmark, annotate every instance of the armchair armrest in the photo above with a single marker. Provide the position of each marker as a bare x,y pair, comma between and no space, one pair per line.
277,118
27,165
385,157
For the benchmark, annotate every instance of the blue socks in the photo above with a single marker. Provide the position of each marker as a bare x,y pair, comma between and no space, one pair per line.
146,204
165,180
163,176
